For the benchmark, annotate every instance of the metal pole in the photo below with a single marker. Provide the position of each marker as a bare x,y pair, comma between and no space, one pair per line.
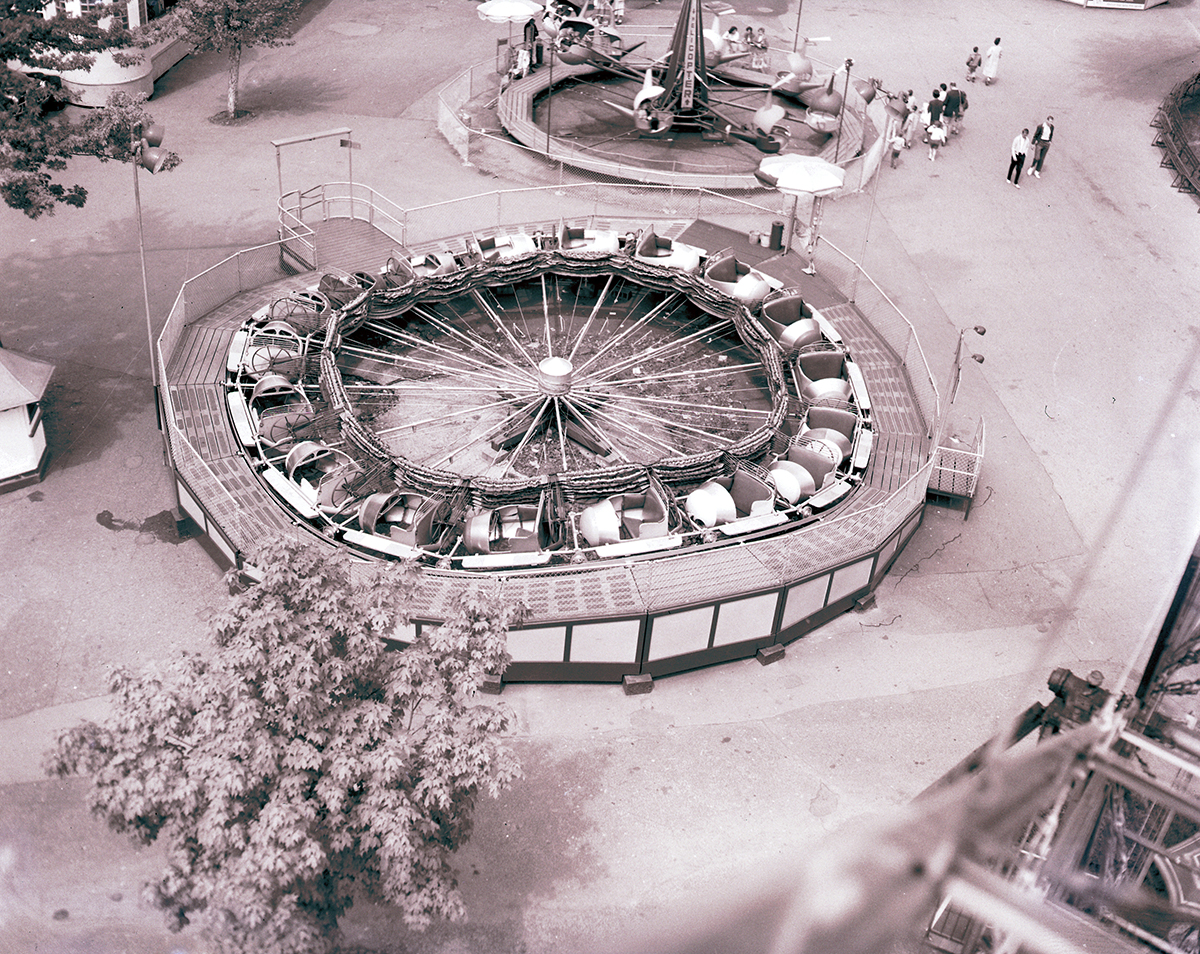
796,40
791,233
350,170
136,149
837,146
866,234
549,99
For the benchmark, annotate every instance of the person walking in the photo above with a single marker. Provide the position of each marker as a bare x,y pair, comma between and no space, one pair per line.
937,136
912,122
931,112
1042,137
1020,146
991,62
973,62
896,143
953,111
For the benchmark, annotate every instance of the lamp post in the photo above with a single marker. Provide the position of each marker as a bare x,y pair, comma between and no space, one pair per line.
958,359
796,40
550,94
145,152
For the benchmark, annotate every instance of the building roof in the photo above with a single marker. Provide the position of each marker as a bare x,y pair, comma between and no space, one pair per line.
23,379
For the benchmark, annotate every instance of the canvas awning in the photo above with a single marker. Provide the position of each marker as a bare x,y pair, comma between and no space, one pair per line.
23,379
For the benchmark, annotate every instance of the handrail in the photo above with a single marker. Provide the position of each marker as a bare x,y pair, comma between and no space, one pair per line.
937,408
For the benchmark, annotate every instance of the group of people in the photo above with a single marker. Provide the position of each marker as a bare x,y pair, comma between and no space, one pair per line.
941,116
938,118
989,60
749,42
1021,144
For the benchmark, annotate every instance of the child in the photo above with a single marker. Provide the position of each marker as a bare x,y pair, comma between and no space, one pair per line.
973,62
896,143
937,136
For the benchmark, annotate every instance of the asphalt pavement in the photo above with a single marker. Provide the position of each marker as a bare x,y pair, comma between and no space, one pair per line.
1087,281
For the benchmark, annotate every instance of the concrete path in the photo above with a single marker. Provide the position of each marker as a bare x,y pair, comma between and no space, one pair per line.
1087,281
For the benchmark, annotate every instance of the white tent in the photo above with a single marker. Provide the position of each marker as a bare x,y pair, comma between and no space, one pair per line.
23,451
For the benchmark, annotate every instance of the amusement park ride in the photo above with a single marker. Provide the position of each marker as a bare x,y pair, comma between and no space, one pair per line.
679,91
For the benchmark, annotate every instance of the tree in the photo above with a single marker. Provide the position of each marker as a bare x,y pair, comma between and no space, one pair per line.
33,142
231,26
305,764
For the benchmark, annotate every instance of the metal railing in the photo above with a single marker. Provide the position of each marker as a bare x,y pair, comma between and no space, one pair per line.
1173,138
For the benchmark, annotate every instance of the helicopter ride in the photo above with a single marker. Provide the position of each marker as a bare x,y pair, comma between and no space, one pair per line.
696,85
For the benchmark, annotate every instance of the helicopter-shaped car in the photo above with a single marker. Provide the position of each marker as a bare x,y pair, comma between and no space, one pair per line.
674,91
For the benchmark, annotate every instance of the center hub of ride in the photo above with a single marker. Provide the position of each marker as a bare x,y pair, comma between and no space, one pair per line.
554,375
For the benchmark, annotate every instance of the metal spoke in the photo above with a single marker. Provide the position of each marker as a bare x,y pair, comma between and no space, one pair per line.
403,337
673,302
587,425
448,416
591,317
672,344
732,369
475,439
529,432
634,412
495,318
473,341
423,388
562,437
645,439
546,318
485,374
691,405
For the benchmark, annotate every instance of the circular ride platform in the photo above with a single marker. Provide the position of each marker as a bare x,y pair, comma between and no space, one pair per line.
670,457
582,129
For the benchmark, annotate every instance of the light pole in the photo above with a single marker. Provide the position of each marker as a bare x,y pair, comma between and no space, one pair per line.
550,94
796,41
144,152
958,360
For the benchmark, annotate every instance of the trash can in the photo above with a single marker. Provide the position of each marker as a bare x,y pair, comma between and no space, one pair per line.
776,235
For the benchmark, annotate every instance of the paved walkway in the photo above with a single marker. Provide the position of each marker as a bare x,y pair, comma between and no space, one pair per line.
1086,279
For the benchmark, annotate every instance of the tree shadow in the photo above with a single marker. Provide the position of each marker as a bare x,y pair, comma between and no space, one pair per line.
290,94
532,839
86,409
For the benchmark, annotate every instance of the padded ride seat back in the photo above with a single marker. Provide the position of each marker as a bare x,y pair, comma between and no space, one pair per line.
816,462
711,503
314,456
751,494
792,481
799,333
816,365
832,417
600,524
784,310
830,436
335,493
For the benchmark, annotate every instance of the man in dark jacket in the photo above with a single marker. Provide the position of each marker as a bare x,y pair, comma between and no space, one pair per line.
1042,137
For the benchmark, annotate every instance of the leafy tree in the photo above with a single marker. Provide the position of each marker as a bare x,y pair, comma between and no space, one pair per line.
231,26
304,764
34,143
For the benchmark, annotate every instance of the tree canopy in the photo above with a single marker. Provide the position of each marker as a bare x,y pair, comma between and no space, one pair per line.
305,764
33,143
231,26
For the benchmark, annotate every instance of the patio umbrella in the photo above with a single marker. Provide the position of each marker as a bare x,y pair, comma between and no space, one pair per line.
508,11
797,175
